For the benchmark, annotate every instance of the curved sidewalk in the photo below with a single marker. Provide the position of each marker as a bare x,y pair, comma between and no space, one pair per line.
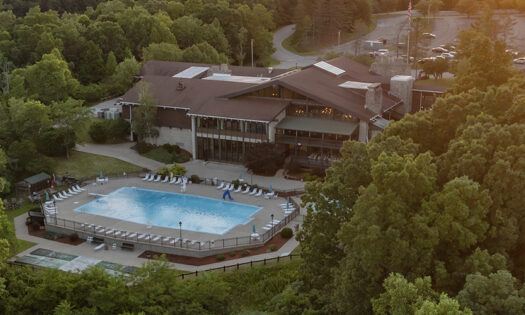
121,151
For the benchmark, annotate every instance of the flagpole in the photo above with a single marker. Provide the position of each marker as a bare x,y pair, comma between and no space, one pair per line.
409,26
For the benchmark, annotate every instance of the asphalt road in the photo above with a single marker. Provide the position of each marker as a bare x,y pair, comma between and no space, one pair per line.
393,27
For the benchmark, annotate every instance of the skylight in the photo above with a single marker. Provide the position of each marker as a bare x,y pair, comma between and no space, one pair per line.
191,72
329,68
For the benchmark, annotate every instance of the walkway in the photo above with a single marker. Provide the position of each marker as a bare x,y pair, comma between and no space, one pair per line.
287,58
223,171
128,258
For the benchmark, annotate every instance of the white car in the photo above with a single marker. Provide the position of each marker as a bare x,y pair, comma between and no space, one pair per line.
447,55
520,60
439,50
429,35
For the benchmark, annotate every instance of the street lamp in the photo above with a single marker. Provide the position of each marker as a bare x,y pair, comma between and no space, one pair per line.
271,216
180,232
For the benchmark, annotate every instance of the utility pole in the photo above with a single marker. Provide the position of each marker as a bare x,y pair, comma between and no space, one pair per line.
251,44
339,40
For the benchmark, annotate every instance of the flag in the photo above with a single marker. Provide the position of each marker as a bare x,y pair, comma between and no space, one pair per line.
410,12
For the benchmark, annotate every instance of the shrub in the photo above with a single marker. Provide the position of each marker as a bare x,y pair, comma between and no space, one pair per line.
195,178
177,169
56,141
97,132
181,157
161,155
117,130
233,253
143,147
35,226
236,182
163,171
272,248
286,233
221,257
73,237
245,253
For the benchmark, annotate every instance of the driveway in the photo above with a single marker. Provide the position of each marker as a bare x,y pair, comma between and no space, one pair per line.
288,59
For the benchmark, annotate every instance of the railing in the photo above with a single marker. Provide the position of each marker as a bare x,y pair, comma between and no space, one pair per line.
239,266
280,192
308,162
167,241
203,132
307,141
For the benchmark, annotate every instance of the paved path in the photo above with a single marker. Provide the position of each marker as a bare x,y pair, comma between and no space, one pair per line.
287,58
223,171
121,151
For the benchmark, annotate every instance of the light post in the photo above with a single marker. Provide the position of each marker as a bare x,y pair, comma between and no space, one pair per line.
271,216
180,232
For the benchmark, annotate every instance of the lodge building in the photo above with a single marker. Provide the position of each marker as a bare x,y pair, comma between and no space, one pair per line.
219,112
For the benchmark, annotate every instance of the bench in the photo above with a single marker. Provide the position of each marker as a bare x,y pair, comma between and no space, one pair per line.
99,247
128,246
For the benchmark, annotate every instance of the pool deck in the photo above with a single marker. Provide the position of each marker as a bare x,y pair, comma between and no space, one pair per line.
259,219
131,258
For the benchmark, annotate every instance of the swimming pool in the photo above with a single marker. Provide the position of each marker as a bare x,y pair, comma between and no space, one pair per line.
167,209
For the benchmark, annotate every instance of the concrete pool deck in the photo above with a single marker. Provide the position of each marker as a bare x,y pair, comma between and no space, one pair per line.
259,219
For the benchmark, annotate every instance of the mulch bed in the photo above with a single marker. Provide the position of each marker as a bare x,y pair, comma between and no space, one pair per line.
194,261
64,239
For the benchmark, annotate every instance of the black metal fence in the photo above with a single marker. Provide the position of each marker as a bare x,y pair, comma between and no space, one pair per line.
242,266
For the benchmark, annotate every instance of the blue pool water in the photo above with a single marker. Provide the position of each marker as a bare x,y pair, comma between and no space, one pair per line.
166,209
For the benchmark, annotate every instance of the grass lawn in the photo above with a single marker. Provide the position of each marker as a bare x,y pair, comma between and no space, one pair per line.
86,165
448,82
22,244
296,250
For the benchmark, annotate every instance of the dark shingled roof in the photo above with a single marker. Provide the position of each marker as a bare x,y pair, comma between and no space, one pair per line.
247,108
170,68
195,93
37,178
355,71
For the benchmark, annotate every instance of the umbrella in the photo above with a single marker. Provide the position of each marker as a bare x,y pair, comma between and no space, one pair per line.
101,176
287,205
240,176
47,196
253,228
270,188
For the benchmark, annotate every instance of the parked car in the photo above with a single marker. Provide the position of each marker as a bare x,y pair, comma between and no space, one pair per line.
439,50
447,55
404,57
448,47
520,60
429,35
512,52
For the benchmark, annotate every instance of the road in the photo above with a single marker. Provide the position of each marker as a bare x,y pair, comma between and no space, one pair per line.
393,27
288,59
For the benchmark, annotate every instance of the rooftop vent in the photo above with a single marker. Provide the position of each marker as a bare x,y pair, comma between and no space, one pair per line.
180,86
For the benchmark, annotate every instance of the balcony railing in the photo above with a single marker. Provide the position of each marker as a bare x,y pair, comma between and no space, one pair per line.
231,133
311,142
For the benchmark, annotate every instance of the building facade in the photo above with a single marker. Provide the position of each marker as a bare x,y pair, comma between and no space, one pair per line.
220,112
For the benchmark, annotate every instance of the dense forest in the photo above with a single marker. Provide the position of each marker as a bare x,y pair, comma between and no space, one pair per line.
427,218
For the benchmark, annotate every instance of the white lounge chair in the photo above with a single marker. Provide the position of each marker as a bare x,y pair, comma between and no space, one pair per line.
155,238
173,180
151,178
247,190
227,187
266,228
147,177
117,233
221,186
132,235
165,239
89,239
61,195
99,247
141,237
193,242
275,222
157,179
57,198
109,231
238,189
179,181
259,193
74,188
253,192
79,188
66,194
166,179
71,192
269,195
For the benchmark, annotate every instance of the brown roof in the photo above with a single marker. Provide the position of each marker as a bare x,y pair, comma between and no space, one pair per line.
195,93
430,88
355,71
170,68
246,108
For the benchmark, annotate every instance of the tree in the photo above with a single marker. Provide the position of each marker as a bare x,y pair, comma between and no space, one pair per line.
69,114
428,7
468,7
264,159
446,305
124,74
47,80
90,67
162,51
144,115
203,53
497,293
111,64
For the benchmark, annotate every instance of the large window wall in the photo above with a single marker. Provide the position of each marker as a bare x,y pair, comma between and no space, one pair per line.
222,149
317,111
232,127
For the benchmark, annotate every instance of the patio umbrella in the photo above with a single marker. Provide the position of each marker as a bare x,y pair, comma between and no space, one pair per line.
253,228
47,196
101,176
271,188
240,175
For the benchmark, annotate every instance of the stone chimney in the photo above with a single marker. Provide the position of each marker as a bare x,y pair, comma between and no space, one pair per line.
401,87
374,98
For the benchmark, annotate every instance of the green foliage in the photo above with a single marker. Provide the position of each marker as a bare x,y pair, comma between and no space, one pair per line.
272,248
160,154
97,132
220,257
175,169
286,233
109,130
56,141
145,116
162,51
264,159
195,179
